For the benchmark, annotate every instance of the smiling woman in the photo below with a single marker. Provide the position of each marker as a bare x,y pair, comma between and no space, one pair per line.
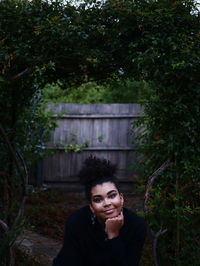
106,202
103,233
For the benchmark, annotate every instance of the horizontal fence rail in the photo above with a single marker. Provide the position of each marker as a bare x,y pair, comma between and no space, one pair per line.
95,116
96,148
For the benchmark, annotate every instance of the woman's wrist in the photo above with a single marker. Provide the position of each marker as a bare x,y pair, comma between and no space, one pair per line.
111,236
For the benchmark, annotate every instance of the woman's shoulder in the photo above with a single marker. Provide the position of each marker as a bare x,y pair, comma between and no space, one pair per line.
80,216
133,220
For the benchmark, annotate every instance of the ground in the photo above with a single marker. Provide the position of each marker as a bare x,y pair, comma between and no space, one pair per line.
47,210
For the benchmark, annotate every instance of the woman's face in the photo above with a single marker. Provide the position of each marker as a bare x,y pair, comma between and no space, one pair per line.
106,201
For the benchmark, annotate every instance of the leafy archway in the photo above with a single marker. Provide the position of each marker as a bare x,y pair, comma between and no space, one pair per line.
157,41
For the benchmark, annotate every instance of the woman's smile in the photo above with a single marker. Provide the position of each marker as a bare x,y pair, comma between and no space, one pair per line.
110,211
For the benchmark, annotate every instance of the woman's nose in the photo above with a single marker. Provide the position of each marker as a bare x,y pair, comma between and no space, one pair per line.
106,202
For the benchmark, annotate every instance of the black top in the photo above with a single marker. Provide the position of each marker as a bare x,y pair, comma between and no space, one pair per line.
86,243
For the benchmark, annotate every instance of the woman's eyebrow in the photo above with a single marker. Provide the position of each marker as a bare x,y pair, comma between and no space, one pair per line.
99,196
96,196
109,192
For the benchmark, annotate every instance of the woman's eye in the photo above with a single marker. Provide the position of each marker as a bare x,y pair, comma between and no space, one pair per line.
97,200
112,196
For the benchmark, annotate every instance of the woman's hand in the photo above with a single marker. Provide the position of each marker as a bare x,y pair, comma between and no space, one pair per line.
113,225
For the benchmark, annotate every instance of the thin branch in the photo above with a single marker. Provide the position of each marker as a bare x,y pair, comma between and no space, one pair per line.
197,242
11,150
24,185
20,212
151,181
11,259
155,243
24,178
4,226
21,74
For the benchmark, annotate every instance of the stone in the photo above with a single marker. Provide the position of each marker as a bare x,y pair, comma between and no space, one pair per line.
39,248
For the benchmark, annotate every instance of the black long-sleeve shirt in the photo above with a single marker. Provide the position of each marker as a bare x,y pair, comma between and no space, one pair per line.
86,243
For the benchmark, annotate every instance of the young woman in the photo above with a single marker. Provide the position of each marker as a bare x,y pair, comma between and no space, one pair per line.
102,233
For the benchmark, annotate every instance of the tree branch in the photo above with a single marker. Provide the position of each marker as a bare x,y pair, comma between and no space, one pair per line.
151,181
21,74
25,175
24,179
4,226
11,259
11,150
155,243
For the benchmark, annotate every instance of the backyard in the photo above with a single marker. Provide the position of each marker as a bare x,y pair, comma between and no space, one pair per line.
101,53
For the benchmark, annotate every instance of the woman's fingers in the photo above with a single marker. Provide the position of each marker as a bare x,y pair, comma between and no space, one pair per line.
113,225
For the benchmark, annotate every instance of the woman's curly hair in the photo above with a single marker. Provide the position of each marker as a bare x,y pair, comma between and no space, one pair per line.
96,171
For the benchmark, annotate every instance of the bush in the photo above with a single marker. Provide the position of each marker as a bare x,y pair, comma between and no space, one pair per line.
113,91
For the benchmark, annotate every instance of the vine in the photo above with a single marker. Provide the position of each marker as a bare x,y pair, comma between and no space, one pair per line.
73,146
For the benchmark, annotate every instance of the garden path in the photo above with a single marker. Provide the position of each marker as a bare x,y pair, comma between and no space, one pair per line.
39,248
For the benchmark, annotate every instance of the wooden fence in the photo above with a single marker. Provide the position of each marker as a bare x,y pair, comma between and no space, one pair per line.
105,128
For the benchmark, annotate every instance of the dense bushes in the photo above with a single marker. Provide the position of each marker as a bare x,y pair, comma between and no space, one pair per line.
171,128
21,144
112,91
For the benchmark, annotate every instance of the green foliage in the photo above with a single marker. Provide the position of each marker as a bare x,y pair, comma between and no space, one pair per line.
126,91
27,130
112,91
171,127
86,93
73,146
35,125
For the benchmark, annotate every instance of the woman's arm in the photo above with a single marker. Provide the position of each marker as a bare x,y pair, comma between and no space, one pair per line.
70,253
122,251
113,226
